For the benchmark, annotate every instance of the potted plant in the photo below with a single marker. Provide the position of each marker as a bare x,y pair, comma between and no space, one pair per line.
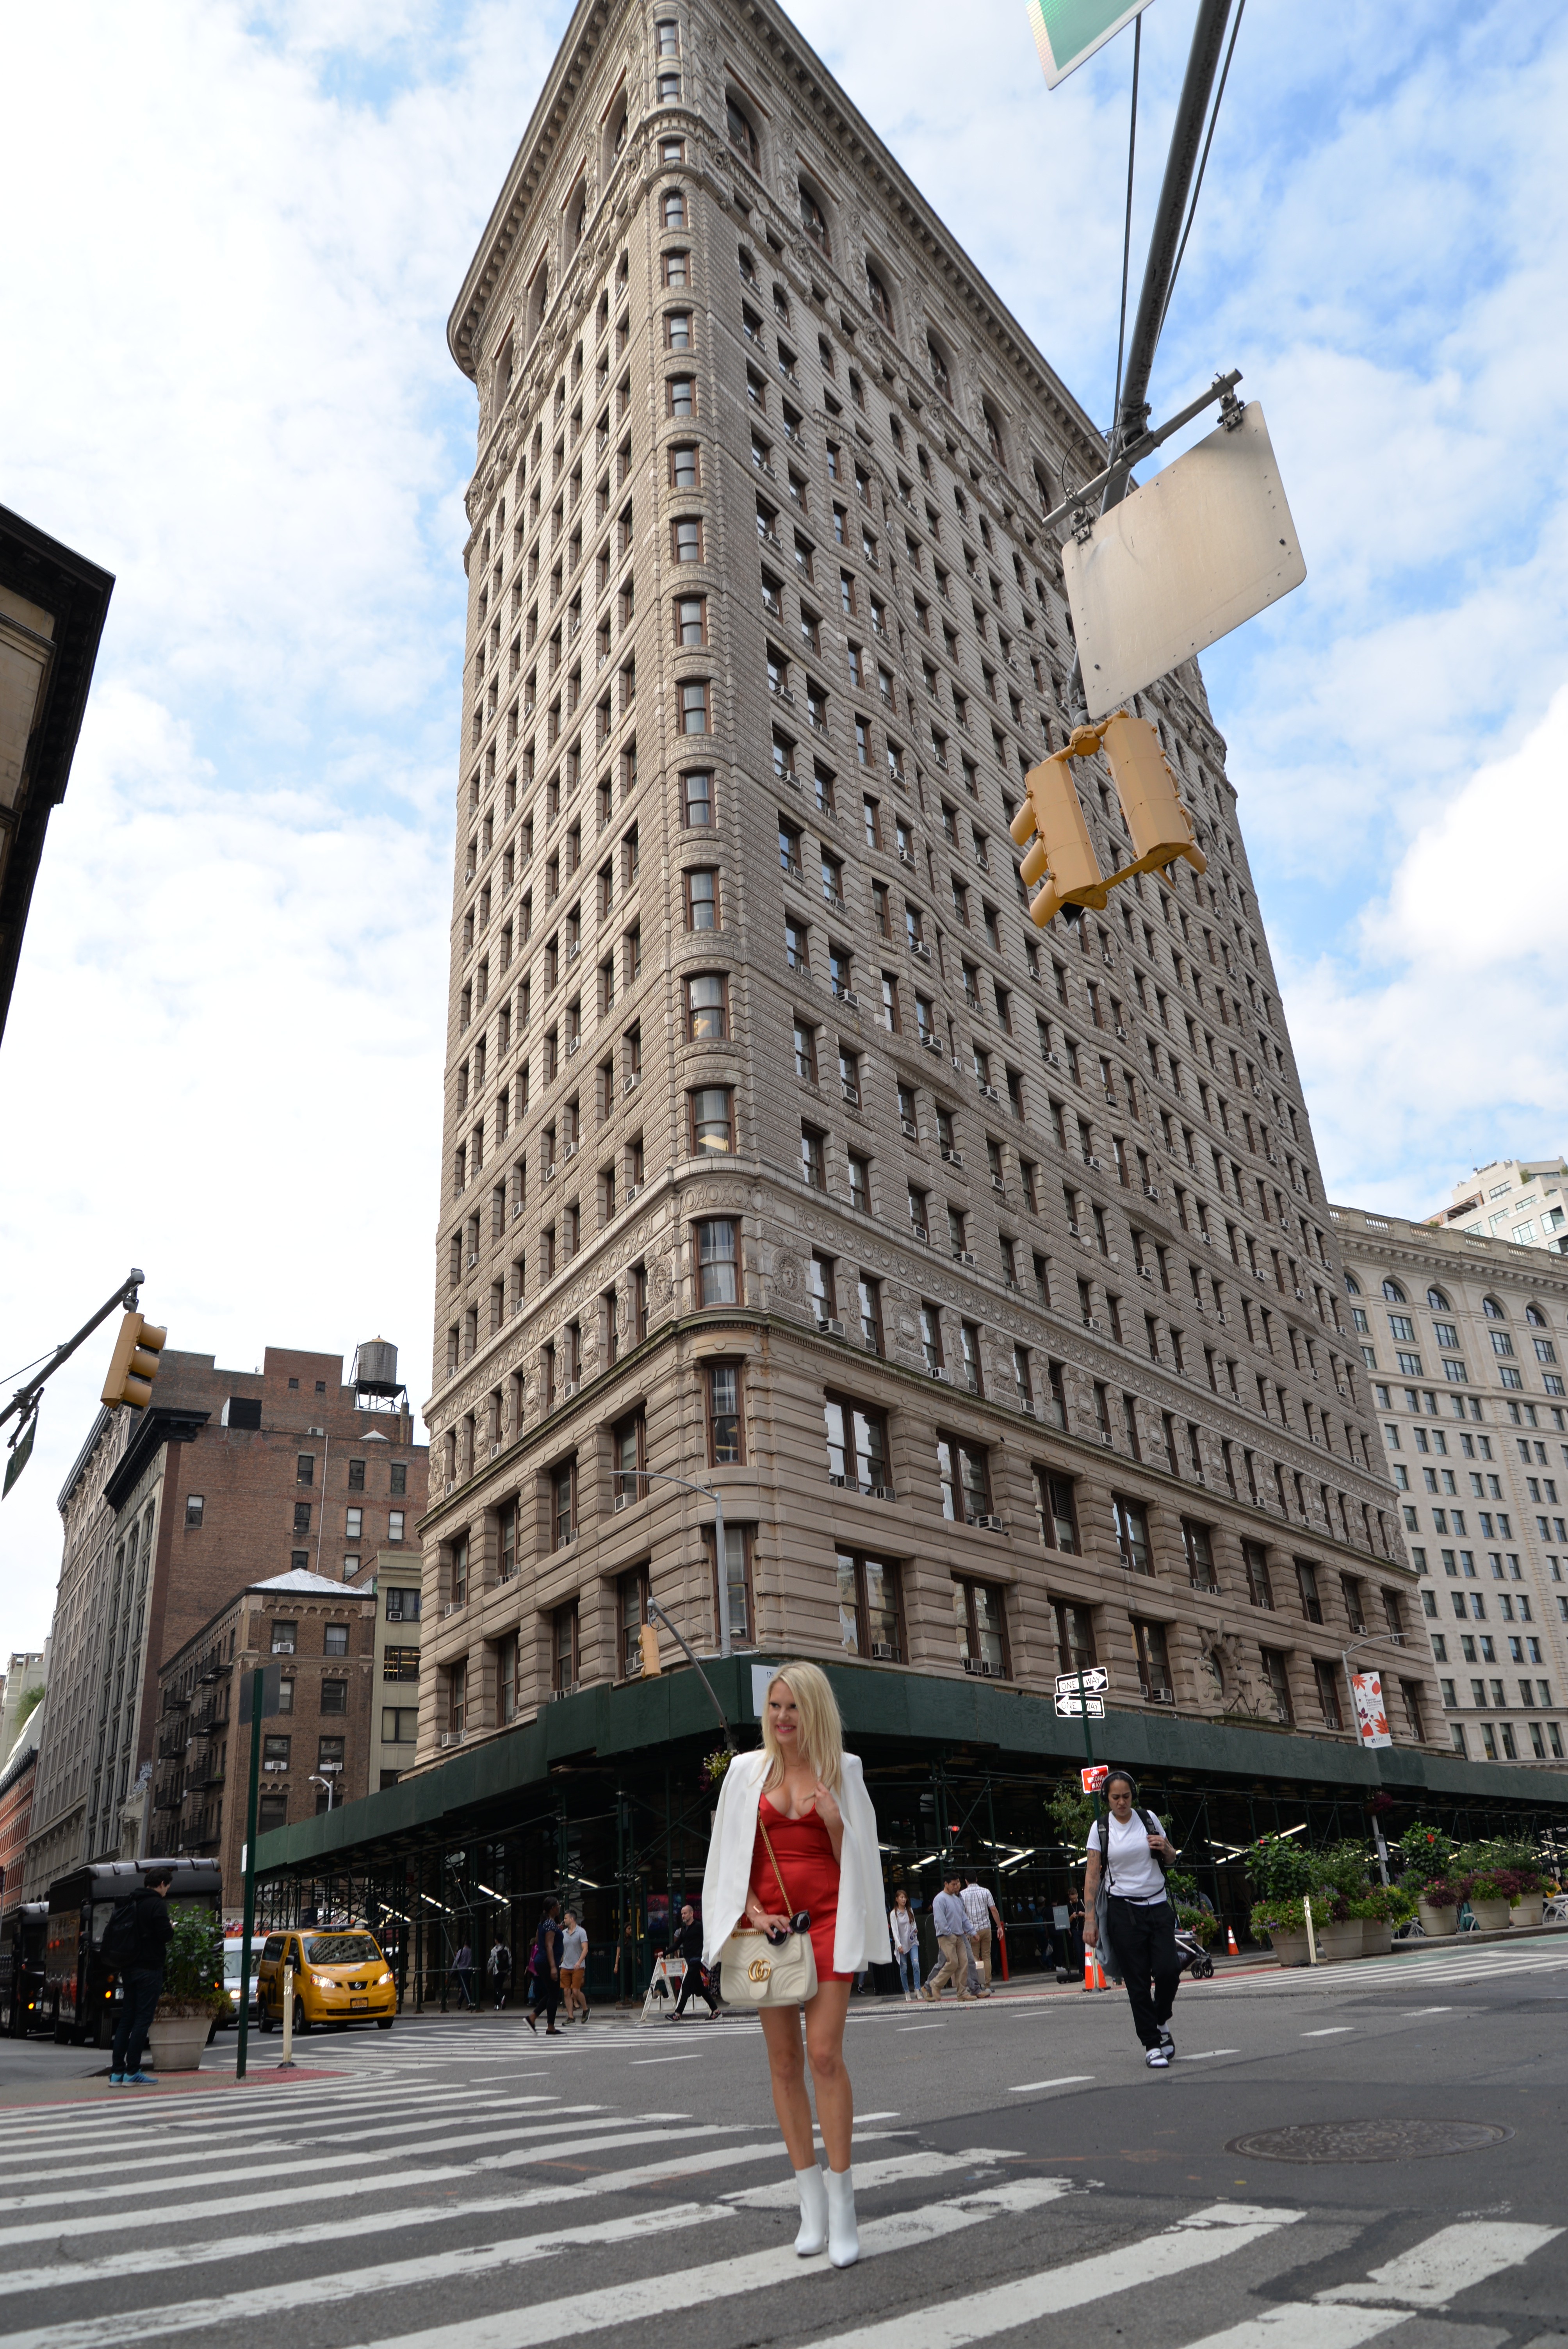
1524,1908
1336,1913
1491,1892
1282,1922
1382,1910
1281,1873
193,1995
1191,1915
1438,1907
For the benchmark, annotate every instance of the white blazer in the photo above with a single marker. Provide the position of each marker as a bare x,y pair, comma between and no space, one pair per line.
861,1936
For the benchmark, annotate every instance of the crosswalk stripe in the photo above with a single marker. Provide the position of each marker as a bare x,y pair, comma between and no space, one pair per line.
358,2135
1192,2243
653,2299
1068,2080
1302,2324
893,2170
465,2139
275,2299
117,2123
1448,2262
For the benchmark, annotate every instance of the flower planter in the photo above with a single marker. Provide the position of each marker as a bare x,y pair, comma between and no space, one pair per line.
175,2042
1491,1916
1337,1942
1290,1949
1437,1922
1526,1911
1376,1938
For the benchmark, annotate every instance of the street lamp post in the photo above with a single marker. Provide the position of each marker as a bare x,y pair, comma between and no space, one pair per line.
1370,1640
315,1780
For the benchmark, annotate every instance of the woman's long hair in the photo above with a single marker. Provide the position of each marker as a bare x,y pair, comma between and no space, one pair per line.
821,1725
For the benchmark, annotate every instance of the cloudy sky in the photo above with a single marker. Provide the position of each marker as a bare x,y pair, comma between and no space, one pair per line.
235,235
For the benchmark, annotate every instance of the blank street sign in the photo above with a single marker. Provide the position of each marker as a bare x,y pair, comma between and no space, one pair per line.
1068,31
1179,563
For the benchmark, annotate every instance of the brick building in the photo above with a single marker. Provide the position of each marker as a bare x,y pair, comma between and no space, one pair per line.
18,1776
227,1478
321,1634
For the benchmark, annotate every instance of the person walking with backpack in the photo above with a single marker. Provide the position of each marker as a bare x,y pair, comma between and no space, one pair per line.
135,1942
498,1965
545,1967
1130,1919
794,1885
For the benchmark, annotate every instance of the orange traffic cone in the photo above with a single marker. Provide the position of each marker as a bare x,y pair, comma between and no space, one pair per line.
1231,1937
1093,1972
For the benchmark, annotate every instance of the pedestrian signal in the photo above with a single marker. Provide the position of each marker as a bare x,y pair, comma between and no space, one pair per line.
1063,854
133,1365
648,1639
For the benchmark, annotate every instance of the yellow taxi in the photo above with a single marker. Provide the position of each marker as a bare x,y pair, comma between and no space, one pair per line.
338,1977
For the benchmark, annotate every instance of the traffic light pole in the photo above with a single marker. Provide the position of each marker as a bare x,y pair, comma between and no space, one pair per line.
258,1680
25,1397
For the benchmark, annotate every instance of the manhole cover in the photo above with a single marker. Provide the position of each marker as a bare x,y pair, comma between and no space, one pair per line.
1368,2140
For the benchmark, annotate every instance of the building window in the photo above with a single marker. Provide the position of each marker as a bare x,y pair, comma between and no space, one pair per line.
506,1664
457,1697
1075,1635
302,1517
335,1640
1278,1679
1327,1681
1132,1534
304,1468
403,1606
717,1266
1411,1698
702,900
399,1476
980,1621
353,1523
275,1751
272,1813
461,1570
737,1544
505,1540
1256,1561
708,1020
712,1127
335,1697
964,1476
694,709
285,1696
868,1607
631,1614
1153,1661
563,1648
563,1504
285,1638
685,535
724,1427
814,1158
697,798
399,1724
400,1663
1056,1511
857,1445
1198,1544
628,1454
194,1505
356,1475
1307,1584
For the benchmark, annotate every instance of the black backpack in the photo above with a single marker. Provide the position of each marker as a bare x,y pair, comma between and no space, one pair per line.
1139,1814
120,1935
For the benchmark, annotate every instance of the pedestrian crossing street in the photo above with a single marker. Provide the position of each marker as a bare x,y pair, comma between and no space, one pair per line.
484,2193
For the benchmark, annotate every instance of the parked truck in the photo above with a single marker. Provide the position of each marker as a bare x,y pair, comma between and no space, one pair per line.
80,1986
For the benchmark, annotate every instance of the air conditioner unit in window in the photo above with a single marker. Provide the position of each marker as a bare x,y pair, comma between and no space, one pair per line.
629,1084
549,1171
831,1328
1106,1436
1051,1060
1027,1403
980,1667
963,1255
1074,1230
954,1157
1090,1161
574,1044
494,1449
1301,1296
569,1689
988,1524
989,1092
842,1482
633,1190
904,857
851,1093
851,999
881,1492
620,1500
1150,1191
473,1259
274,1766
1145,1272
908,1127
569,1387
885,1650
570,1151
939,1371
931,1044
918,947
918,1232
452,1606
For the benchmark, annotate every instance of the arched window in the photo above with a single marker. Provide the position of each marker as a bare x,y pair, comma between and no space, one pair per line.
1534,1315
813,219
939,375
743,136
1043,487
1393,1293
1352,1285
576,217
614,133
882,305
537,299
1492,1309
993,432
1438,1302
672,212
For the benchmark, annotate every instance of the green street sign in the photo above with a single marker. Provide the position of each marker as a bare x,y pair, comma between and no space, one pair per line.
1068,31
22,1451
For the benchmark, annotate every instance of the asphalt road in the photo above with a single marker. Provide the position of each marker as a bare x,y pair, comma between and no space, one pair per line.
461,2184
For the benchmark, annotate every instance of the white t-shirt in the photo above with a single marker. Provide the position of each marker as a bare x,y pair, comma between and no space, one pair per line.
1134,1872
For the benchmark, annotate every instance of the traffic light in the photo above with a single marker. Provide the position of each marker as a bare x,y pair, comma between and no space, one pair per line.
1161,826
1063,849
134,1364
649,1639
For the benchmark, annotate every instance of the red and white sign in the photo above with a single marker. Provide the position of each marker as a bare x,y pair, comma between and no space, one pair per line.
1371,1718
1093,1780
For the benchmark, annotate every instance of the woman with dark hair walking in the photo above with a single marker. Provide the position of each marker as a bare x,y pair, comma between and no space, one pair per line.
795,1832
546,1969
1128,1917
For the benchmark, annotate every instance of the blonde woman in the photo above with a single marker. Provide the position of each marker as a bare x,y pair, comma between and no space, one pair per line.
812,1797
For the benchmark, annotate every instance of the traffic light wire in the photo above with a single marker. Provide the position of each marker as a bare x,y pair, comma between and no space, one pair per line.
1127,232
1202,167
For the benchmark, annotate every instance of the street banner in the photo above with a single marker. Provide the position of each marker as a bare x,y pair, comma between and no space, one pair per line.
1371,1719
1067,32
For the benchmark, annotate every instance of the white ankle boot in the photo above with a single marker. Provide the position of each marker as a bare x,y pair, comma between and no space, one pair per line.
813,2234
843,2242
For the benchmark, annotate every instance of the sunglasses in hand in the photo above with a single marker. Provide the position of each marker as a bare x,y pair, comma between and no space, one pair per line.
799,1922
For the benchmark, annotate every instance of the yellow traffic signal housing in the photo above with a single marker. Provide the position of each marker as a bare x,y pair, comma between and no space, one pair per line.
1161,826
648,1639
134,1364
1063,854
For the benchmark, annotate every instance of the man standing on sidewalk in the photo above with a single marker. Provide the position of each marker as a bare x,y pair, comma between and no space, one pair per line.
694,1984
952,1939
144,1926
980,1913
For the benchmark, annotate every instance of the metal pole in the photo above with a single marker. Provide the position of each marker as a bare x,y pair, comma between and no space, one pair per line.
1186,137
249,1926
124,1296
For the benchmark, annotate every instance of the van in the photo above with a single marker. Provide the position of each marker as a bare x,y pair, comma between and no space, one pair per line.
23,2006
232,1945
340,1975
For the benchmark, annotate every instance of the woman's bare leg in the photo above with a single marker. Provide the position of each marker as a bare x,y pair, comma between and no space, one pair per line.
786,2070
825,2017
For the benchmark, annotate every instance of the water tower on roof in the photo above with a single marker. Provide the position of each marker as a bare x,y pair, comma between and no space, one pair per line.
376,1385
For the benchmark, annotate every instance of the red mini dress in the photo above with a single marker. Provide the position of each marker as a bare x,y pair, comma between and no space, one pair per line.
811,1873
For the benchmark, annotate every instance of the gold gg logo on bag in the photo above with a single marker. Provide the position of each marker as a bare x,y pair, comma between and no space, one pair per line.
759,1971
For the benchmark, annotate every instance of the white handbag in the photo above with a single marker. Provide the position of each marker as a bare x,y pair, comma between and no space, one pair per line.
756,1972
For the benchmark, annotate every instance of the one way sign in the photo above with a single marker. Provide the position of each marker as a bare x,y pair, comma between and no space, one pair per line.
1093,1681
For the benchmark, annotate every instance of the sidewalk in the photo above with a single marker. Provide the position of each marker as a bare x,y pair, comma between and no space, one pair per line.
95,2089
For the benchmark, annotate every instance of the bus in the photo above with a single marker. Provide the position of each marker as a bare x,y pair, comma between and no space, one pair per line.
80,1987
23,2006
